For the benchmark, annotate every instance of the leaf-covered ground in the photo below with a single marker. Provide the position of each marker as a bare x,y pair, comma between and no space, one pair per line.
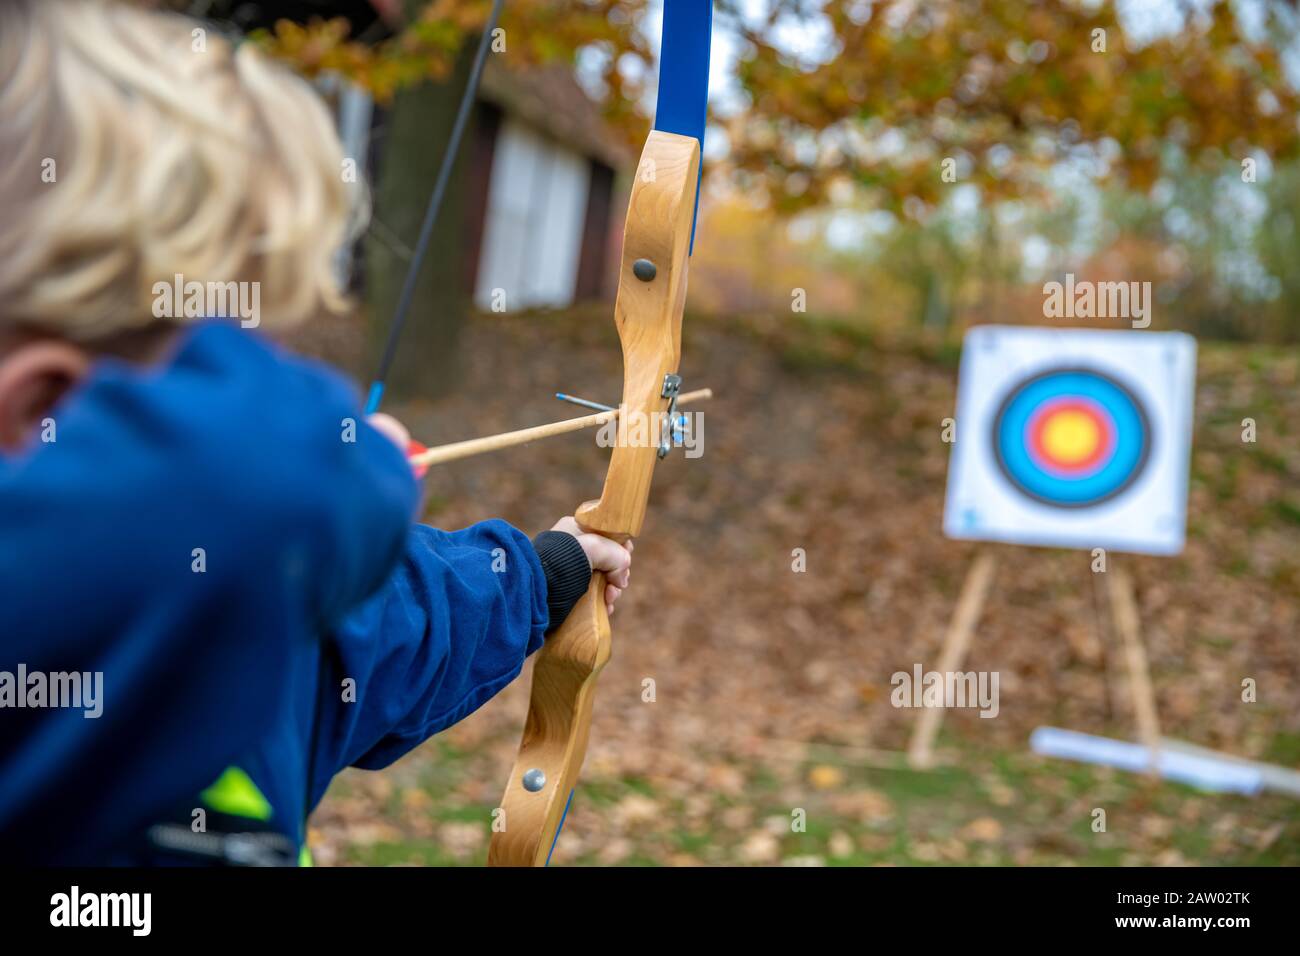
771,687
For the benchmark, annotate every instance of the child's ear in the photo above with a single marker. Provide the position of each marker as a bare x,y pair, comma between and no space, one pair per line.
33,377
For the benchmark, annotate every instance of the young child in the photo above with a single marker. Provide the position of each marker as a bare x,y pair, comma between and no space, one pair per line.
213,596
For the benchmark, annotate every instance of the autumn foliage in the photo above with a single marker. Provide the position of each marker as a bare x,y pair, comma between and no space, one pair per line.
887,91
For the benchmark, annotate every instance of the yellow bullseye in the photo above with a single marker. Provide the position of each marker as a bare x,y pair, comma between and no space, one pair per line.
1070,437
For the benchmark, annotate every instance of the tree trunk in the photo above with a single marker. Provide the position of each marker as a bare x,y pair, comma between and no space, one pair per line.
418,129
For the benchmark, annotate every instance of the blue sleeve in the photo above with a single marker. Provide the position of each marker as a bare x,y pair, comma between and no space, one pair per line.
189,528
449,630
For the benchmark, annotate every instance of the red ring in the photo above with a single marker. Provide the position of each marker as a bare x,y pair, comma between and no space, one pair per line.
1084,406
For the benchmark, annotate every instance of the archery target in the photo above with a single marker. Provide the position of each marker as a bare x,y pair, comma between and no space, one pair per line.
1072,438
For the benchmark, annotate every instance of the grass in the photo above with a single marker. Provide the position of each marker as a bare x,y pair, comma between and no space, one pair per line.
992,808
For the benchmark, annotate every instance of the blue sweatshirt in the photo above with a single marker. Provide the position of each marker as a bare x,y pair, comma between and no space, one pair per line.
222,551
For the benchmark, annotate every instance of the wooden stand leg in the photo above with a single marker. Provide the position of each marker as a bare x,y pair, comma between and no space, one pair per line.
1144,699
1105,631
956,643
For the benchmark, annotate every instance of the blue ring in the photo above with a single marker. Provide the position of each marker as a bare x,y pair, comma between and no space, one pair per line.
1125,465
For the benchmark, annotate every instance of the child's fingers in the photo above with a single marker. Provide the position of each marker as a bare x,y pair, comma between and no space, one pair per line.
569,525
606,555
611,597
391,428
396,432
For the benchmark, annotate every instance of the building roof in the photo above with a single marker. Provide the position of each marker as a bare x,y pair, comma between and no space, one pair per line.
549,98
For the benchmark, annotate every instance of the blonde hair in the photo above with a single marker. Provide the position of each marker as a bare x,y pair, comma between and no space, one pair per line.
215,164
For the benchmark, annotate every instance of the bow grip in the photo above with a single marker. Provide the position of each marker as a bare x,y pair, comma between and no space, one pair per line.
648,315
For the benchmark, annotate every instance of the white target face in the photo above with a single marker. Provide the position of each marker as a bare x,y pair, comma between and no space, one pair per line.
1073,438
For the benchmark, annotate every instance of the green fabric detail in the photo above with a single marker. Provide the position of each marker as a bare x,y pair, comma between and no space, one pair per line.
236,794
304,856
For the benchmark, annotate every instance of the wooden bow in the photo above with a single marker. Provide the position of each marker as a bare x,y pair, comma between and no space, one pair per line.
648,314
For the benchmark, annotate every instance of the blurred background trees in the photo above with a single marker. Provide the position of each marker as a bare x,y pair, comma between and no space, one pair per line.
927,163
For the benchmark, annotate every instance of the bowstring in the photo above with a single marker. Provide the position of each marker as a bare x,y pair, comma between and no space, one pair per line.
431,211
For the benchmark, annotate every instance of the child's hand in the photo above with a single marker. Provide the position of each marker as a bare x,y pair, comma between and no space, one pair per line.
391,428
605,554
396,432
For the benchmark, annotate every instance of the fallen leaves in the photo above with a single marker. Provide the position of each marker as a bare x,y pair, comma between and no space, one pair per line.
772,686
982,830
824,777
